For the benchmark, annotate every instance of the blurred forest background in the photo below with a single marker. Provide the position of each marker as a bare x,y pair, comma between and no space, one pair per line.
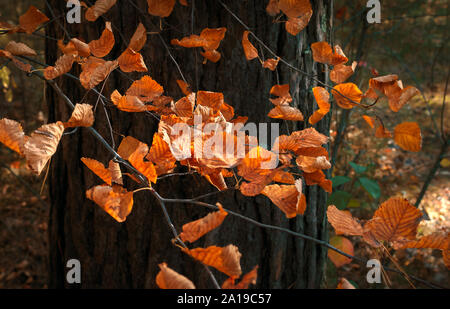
411,41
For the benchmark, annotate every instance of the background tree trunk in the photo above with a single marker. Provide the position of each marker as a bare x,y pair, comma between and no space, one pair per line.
126,255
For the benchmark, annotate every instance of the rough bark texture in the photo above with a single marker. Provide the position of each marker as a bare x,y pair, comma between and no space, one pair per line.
126,255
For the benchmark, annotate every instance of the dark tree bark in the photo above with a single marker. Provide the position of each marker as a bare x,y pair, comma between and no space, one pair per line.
126,255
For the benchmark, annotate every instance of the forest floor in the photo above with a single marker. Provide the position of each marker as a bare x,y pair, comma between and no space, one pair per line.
24,215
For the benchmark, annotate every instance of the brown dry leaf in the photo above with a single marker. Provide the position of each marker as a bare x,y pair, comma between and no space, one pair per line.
146,89
344,245
167,278
32,19
225,259
380,82
347,95
344,284
97,73
11,135
295,8
19,49
284,177
322,98
289,198
98,169
196,229
139,38
227,111
41,145
408,136
295,25
115,200
130,61
342,72
183,2
343,222
98,9
161,8
249,50
271,63
62,66
209,39
82,116
247,279
286,112
101,47
395,219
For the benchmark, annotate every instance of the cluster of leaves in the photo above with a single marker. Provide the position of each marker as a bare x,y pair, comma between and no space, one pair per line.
267,172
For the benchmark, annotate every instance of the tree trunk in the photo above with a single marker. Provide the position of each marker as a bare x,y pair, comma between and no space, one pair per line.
126,255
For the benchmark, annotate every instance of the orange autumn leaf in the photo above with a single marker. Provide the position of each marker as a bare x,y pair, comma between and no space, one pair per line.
282,92
344,284
247,279
395,219
184,107
11,135
272,8
82,116
209,39
284,177
196,229
115,200
382,132
271,63
397,101
323,53
135,152
312,164
32,19
19,49
225,259
286,112
146,89
343,222
130,61
344,245
296,24
130,104
98,169
184,87
82,49
342,72
289,198
249,50
322,98
93,75
41,145
370,120
101,47
167,278
139,38
161,155
295,8
408,136
347,95
62,66
210,99
433,241
98,9
160,8
211,55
